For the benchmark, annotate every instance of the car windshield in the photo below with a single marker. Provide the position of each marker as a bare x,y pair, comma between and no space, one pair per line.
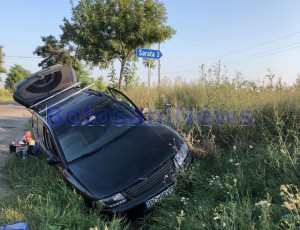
95,129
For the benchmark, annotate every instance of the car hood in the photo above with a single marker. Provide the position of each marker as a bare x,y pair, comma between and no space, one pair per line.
127,159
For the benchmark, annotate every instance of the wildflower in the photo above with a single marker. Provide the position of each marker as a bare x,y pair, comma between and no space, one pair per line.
96,228
217,218
289,206
283,188
231,160
263,203
224,224
250,146
237,164
183,199
234,148
282,151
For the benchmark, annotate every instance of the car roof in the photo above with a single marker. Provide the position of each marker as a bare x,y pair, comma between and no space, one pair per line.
87,98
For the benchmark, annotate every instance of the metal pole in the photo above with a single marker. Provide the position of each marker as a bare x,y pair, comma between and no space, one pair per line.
148,75
158,66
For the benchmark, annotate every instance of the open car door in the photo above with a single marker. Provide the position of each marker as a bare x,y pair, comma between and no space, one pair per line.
43,84
125,100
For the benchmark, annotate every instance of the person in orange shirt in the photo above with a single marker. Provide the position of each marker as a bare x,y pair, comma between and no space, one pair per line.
32,147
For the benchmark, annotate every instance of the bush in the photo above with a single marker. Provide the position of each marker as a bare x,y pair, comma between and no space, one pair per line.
5,95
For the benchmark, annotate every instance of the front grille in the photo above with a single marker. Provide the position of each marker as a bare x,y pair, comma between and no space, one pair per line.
152,180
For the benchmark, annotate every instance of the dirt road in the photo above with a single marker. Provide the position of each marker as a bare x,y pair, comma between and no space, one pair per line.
13,120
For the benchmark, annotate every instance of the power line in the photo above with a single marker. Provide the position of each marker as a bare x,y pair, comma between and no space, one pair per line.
11,56
251,47
268,51
251,57
256,56
245,49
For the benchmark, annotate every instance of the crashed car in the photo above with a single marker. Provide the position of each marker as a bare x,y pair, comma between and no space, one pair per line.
103,145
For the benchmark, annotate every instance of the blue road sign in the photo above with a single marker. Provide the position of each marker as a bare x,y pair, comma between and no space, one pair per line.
148,53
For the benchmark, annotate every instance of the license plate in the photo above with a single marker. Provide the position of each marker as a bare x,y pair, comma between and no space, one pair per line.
158,197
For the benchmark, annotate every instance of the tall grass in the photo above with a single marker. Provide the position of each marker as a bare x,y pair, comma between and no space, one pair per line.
5,95
41,198
240,179
243,176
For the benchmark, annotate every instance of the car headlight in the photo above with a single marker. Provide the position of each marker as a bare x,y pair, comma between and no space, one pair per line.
114,200
182,154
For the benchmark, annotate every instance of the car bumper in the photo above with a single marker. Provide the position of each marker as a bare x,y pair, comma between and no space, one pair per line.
139,203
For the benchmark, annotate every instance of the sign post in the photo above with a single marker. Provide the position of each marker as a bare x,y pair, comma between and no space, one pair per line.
150,54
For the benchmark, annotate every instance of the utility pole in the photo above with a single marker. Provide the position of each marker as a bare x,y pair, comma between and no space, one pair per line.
158,67
149,75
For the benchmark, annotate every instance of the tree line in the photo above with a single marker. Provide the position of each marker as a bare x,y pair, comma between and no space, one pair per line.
98,33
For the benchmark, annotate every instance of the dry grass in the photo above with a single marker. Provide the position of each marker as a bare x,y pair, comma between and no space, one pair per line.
5,95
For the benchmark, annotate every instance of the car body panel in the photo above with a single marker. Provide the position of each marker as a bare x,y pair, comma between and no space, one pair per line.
139,163
143,150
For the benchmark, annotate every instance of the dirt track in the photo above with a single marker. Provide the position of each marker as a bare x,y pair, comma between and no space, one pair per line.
13,120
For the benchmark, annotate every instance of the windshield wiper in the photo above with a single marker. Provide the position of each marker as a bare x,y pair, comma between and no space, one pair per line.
103,146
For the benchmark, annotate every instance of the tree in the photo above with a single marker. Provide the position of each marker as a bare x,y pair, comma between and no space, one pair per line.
106,30
297,84
83,74
150,64
100,84
2,69
130,78
112,76
55,52
15,74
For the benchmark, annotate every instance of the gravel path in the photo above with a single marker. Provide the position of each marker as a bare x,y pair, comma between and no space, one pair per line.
13,120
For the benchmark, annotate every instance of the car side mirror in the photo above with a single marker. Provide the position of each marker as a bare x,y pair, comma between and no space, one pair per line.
53,161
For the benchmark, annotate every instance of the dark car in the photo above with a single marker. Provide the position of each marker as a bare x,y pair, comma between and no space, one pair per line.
102,144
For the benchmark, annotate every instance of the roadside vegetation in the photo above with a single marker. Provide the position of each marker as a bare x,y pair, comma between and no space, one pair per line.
5,95
243,176
41,199
245,135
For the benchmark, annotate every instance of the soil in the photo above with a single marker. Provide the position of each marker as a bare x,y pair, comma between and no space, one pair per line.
13,121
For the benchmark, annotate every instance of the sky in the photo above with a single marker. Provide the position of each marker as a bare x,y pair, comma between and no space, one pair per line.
245,36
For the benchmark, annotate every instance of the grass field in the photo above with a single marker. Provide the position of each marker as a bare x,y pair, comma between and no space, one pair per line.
244,176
